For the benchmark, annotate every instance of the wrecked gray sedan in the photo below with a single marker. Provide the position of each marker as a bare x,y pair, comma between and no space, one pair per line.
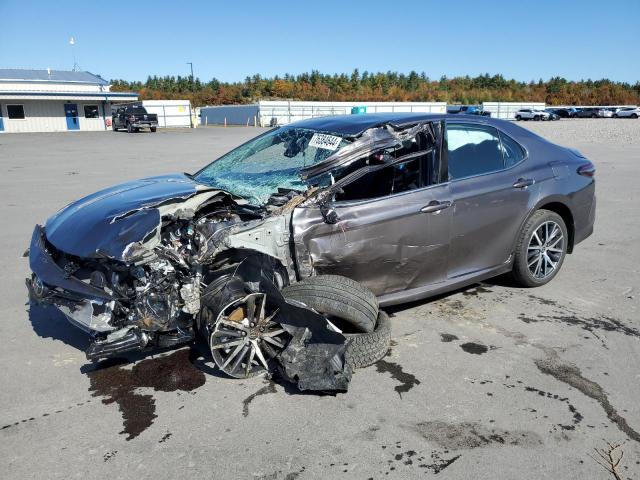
252,251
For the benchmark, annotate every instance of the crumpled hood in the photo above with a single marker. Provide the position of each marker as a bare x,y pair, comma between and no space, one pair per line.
104,223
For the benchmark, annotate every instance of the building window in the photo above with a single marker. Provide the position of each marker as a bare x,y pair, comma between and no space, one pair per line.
15,112
91,111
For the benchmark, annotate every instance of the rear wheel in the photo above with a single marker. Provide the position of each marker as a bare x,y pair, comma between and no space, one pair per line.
541,249
153,129
634,115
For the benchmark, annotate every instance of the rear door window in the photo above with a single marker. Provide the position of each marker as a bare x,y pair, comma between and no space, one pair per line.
511,151
472,150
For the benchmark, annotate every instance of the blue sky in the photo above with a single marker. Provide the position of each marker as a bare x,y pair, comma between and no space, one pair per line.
229,40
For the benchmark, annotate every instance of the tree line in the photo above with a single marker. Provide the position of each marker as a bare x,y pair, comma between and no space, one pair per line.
389,86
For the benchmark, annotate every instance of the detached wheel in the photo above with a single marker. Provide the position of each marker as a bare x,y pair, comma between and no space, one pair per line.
541,249
337,296
240,327
367,348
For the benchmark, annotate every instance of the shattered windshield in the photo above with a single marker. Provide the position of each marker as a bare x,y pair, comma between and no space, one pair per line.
258,168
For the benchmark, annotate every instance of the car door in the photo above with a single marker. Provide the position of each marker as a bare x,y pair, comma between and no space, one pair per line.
490,187
389,243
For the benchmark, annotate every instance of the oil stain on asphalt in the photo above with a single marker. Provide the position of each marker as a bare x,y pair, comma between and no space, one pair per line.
270,387
474,292
447,337
469,435
116,383
407,380
571,375
474,348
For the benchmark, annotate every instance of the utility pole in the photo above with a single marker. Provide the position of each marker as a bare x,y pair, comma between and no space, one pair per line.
192,82
193,88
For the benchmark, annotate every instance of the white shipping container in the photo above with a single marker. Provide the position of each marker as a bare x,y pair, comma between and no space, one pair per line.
171,113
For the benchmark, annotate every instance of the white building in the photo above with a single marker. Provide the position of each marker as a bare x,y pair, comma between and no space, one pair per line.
56,101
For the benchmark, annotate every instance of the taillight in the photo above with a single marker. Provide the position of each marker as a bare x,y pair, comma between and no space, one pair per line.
587,170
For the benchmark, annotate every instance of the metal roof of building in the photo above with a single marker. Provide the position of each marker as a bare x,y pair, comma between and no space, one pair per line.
56,76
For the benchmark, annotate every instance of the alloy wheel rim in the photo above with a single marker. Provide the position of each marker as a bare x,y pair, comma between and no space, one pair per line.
246,337
545,250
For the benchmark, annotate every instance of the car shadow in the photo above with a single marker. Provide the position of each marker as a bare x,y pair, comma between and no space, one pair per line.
504,281
48,322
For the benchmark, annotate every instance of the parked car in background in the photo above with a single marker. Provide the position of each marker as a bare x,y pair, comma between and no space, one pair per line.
587,113
552,114
564,112
605,113
532,114
628,112
468,110
133,117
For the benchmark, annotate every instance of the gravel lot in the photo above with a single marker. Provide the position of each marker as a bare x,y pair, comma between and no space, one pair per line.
488,382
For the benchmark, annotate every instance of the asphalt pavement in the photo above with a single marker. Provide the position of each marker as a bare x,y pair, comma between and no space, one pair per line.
490,381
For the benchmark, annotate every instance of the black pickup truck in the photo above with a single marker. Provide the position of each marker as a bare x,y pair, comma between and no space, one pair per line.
133,118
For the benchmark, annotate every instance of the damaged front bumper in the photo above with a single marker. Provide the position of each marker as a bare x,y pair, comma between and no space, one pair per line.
84,305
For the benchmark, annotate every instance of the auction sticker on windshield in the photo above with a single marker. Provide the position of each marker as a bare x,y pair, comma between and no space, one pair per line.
322,140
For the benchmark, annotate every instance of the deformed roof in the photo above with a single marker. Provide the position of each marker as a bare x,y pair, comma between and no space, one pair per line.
56,76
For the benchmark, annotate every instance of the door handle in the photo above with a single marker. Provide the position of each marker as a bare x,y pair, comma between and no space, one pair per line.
435,206
524,183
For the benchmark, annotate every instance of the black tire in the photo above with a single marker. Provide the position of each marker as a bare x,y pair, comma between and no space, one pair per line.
634,115
615,115
518,118
520,273
215,297
537,118
594,116
113,127
129,128
337,296
153,129
366,349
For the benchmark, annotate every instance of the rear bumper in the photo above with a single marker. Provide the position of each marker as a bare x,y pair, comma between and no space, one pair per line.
144,124
585,218
85,306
